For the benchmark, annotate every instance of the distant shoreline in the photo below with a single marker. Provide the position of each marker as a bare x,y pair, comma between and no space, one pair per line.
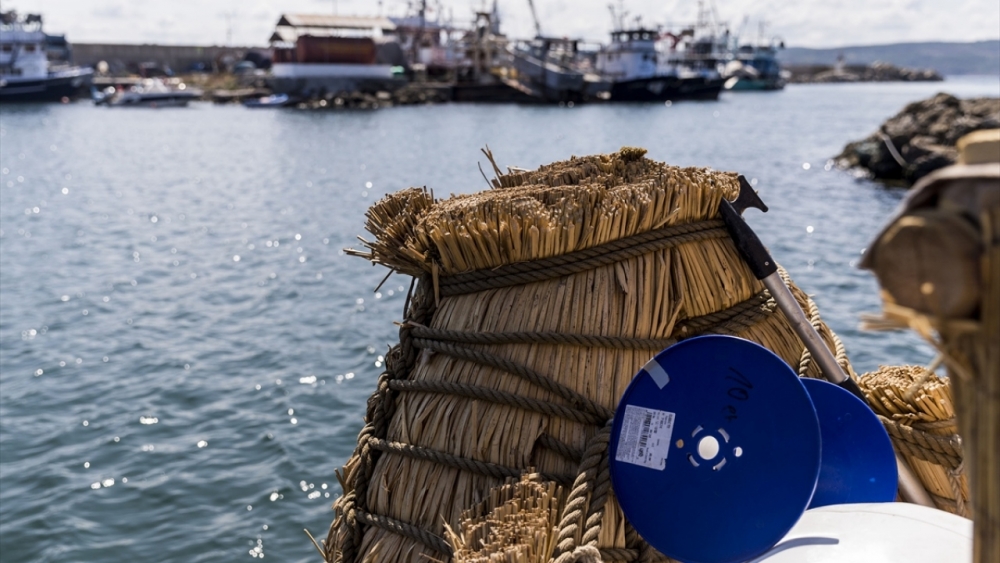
947,58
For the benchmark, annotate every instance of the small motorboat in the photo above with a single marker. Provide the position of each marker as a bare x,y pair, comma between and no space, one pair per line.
151,92
272,101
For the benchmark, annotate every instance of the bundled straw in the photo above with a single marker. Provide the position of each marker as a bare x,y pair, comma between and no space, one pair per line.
537,303
917,410
516,524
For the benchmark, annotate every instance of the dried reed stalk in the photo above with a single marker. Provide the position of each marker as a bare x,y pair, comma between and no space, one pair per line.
911,396
560,208
516,524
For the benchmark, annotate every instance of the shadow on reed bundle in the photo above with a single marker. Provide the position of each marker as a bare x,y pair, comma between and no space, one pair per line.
535,303
938,262
917,411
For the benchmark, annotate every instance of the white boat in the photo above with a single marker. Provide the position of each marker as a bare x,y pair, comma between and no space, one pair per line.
26,73
151,92
642,68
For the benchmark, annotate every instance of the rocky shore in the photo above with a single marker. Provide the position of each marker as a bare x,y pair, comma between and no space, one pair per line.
920,139
875,72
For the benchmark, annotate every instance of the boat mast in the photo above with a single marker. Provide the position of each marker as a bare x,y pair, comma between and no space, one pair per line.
534,16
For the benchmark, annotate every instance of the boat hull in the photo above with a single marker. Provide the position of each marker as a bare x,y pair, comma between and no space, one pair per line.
666,88
54,87
756,84
318,79
167,100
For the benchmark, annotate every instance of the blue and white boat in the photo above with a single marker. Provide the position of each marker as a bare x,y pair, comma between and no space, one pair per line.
641,67
26,73
756,67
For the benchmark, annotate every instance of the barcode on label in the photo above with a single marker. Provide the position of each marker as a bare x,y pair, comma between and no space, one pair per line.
644,433
645,437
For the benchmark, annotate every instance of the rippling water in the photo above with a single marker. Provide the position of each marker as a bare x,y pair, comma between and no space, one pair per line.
186,351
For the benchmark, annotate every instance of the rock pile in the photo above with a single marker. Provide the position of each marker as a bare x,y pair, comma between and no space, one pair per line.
875,72
921,138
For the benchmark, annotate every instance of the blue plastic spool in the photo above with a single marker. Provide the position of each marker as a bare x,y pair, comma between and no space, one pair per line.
858,463
715,450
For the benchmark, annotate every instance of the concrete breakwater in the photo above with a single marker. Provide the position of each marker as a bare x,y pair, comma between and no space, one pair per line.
122,58
921,138
875,72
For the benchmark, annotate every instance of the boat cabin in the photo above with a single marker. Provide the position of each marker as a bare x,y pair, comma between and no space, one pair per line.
22,46
311,38
631,54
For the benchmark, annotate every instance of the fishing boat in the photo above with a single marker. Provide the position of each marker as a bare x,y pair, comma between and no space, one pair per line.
553,69
318,55
271,101
150,92
550,66
640,70
26,72
756,67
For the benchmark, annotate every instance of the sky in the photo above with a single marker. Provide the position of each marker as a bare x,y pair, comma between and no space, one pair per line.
803,23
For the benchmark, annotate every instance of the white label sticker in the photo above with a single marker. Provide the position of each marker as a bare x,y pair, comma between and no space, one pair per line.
645,437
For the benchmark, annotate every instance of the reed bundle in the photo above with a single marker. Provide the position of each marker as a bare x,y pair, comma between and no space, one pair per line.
516,524
537,303
917,407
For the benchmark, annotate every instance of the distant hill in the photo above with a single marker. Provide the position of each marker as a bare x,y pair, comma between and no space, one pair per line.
978,57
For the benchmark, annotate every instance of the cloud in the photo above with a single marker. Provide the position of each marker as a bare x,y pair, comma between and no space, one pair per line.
109,11
807,23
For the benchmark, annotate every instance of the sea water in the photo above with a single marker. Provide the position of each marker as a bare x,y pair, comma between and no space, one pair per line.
186,351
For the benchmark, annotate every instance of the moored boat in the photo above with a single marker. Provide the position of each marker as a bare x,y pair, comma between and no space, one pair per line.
756,67
26,73
640,72
272,101
150,92
316,55
550,67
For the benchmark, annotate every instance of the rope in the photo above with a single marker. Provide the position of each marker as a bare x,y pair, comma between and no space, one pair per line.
812,312
558,446
735,319
619,250
586,340
433,541
493,396
575,398
624,554
598,496
586,554
569,525
893,151
457,462
352,511
942,450
955,480
948,424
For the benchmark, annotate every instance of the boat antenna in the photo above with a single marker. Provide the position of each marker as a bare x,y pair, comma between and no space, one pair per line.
618,15
743,27
534,16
